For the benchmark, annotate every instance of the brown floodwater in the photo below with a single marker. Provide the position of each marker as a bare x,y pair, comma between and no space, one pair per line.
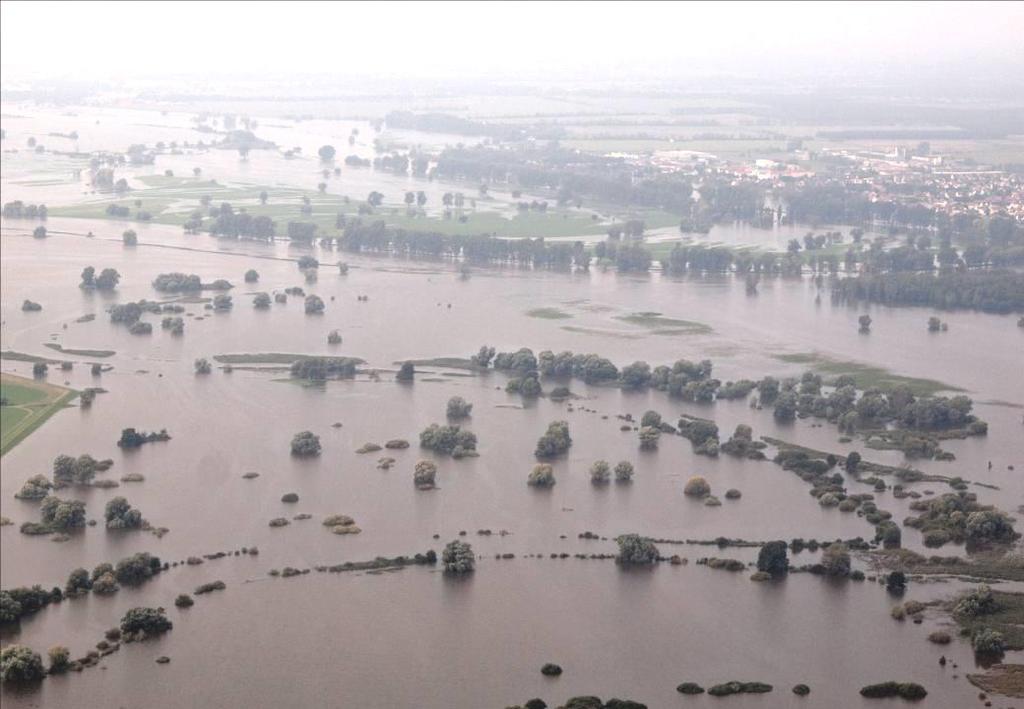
416,637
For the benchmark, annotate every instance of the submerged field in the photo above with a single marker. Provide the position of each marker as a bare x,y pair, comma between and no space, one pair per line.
336,613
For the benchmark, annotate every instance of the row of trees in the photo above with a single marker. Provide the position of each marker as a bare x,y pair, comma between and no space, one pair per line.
377,237
107,280
990,291
19,210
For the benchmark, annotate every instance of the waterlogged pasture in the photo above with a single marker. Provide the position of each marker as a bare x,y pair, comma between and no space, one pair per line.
361,635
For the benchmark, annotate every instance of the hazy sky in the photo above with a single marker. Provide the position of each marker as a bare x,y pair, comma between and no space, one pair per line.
109,40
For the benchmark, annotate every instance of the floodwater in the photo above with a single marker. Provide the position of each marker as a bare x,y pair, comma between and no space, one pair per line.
416,637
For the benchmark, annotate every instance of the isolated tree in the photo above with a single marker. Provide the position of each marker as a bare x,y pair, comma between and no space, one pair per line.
555,441
697,487
458,558
406,373
772,558
542,475
314,305
896,583
263,196
600,472
458,408
305,443
424,474
108,279
865,323
326,152
252,276
623,471
636,550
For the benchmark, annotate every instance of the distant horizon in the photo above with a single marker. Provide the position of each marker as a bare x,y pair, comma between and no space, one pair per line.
455,42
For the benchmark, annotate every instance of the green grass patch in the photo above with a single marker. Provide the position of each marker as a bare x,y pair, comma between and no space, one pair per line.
866,376
1008,620
270,358
79,352
30,404
170,201
603,333
665,325
23,357
548,314
448,362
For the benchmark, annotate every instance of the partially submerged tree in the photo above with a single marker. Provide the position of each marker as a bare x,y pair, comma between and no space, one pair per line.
314,305
449,439
835,560
78,583
634,549
600,472
458,408
772,558
542,475
305,443
59,659
119,514
406,373
20,664
458,557
424,474
62,515
649,437
697,487
555,441
623,471
141,623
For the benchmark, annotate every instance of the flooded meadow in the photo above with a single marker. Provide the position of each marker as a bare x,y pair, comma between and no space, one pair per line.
414,636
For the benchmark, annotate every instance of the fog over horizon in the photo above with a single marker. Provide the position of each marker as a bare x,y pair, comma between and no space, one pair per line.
974,43
536,355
